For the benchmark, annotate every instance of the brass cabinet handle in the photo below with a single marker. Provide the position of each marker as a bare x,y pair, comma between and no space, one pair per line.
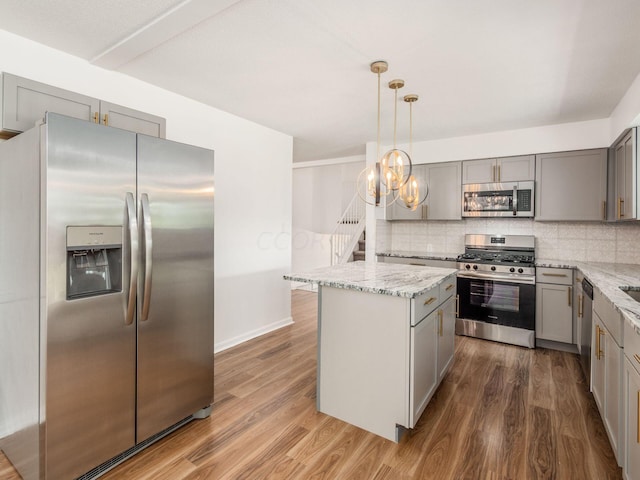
604,210
620,207
580,306
578,280
457,306
429,300
570,295
449,287
440,327
498,172
637,357
96,118
599,333
106,120
425,212
493,172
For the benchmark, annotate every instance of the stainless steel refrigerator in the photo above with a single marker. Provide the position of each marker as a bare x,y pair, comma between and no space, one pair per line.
106,294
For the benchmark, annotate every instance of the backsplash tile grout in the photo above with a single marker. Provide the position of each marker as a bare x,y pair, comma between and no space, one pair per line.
579,241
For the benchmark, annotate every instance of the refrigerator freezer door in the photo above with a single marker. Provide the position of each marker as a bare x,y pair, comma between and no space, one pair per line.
89,411
175,305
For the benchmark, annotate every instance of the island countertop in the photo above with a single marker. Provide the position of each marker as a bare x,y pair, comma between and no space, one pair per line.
407,281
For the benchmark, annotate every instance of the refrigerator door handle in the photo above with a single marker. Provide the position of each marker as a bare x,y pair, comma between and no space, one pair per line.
132,225
148,255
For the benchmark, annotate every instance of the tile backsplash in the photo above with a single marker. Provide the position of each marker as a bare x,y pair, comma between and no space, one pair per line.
580,241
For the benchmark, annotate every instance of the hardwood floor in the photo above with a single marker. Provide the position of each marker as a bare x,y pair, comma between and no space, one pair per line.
502,412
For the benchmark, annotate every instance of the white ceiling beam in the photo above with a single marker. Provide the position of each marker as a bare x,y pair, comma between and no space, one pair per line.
173,22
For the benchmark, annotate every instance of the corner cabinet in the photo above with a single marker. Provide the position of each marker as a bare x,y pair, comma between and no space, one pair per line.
382,357
445,194
625,166
25,102
495,170
571,185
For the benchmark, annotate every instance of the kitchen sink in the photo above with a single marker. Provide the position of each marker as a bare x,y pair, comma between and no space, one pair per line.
635,294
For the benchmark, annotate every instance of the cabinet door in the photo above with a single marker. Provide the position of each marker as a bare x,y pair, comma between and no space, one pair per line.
625,167
554,312
571,185
479,171
446,336
631,464
396,211
445,191
515,169
424,373
578,309
24,102
597,362
612,377
133,120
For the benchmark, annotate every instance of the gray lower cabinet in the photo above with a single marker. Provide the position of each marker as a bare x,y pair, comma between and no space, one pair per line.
445,194
571,185
554,304
631,404
25,102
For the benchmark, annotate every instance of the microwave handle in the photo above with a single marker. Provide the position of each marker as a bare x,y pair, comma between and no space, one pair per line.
515,200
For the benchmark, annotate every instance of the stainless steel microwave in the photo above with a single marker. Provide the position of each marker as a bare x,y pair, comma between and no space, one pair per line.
507,199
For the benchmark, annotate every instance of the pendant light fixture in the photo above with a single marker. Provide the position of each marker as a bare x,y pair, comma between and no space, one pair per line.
415,191
390,179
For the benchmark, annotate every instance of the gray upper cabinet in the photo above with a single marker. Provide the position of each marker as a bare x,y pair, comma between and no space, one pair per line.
24,103
571,185
445,191
624,157
503,169
133,120
479,171
445,194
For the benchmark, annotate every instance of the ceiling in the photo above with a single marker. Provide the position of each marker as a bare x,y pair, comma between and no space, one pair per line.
302,66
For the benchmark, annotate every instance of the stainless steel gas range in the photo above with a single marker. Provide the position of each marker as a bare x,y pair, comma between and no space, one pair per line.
496,289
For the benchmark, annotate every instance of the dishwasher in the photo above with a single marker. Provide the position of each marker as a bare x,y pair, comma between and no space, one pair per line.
585,335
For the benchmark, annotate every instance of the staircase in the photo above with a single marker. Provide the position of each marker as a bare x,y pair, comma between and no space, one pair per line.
348,232
359,254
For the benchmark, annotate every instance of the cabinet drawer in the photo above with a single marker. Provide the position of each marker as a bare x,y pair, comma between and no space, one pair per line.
632,345
559,276
424,304
611,317
447,288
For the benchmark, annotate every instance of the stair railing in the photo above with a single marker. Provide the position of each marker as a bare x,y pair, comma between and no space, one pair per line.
348,230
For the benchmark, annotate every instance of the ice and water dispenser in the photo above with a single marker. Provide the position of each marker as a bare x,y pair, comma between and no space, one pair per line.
94,261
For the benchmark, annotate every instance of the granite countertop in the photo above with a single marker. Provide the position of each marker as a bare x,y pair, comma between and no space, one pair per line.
421,255
407,281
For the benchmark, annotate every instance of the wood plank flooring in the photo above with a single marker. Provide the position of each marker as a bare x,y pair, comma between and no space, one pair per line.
502,412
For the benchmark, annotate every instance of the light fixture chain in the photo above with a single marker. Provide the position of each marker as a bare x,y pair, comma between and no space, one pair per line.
378,141
411,129
395,116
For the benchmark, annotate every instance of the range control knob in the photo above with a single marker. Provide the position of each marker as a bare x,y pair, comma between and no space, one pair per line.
475,267
520,270
512,269
493,269
467,266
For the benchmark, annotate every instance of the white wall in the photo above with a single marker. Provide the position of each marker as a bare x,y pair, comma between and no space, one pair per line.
627,112
549,138
321,192
252,174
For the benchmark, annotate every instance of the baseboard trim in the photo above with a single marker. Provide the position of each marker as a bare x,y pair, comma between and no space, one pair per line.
219,347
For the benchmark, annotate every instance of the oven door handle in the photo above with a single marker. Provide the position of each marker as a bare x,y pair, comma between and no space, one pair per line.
515,200
498,278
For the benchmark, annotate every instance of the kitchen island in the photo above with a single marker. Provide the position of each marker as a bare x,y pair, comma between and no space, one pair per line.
385,341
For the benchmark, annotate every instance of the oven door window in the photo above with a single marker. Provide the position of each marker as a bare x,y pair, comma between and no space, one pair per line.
496,296
502,303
